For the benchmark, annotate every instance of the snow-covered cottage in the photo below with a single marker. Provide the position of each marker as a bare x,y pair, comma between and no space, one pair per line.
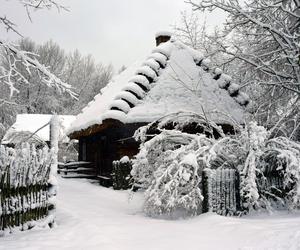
174,77
35,128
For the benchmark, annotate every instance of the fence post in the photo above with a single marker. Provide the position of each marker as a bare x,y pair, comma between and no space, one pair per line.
52,184
121,173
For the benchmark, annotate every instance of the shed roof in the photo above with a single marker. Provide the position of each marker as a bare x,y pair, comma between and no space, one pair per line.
173,78
30,123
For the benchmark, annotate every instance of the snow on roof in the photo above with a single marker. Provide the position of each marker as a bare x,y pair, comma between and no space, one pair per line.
173,78
163,33
32,122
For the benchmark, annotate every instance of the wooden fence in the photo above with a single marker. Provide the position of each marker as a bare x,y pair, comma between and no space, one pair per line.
24,197
121,174
221,191
22,205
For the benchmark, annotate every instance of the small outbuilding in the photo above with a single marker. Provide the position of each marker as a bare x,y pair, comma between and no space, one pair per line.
35,128
173,78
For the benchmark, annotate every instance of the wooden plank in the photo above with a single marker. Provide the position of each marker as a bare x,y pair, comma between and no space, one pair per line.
74,164
76,170
77,163
87,176
103,177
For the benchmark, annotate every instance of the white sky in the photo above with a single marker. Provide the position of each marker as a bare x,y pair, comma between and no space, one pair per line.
113,31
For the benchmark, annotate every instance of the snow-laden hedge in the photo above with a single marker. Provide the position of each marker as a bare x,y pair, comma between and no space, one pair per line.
169,167
27,188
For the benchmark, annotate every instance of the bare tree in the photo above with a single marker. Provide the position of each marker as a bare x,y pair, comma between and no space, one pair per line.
81,72
13,81
14,55
262,38
193,32
87,77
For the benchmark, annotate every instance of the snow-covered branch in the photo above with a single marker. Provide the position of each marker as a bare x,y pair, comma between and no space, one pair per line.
260,47
30,5
9,25
11,74
271,36
13,56
42,4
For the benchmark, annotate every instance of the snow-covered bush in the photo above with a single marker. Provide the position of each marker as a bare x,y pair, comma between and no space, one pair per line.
169,168
266,163
260,162
253,140
287,155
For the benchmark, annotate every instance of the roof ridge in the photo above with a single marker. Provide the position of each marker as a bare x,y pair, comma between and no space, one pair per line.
142,81
151,68
224,81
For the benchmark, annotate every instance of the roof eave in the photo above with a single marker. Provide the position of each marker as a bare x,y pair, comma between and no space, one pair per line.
96,128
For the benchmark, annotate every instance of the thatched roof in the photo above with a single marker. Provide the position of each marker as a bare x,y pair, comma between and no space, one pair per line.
173,78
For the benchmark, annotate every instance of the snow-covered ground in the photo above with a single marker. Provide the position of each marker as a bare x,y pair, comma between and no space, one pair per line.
93,217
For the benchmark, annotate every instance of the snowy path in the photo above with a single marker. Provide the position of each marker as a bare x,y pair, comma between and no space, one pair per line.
92,217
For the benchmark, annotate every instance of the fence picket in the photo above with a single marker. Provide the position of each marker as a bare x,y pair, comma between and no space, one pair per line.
24,175
221,187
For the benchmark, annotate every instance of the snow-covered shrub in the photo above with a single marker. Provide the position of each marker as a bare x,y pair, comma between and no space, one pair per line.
174,151
287,155
269,169
253,139
121,173
263,163
169,167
